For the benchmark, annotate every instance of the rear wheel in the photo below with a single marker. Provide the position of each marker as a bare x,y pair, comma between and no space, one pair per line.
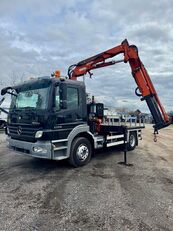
132,141
81,152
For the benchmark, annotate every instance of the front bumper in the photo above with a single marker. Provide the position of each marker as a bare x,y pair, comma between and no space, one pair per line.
29,147
47,149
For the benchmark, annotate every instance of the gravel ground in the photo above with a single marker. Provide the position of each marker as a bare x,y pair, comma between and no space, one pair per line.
47,195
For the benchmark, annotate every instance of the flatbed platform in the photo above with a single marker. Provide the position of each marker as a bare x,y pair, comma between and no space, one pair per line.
118,128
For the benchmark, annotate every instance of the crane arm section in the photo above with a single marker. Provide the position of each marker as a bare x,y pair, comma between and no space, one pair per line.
142,78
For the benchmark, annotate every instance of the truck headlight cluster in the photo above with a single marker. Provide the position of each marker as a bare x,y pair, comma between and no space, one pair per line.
38,134
39,150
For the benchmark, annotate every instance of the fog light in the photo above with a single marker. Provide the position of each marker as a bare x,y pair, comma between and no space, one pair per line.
39,150
38,134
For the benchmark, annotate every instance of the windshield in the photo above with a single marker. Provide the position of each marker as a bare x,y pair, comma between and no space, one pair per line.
32,98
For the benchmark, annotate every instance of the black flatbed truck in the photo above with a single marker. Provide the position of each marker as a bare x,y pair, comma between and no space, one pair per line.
50,118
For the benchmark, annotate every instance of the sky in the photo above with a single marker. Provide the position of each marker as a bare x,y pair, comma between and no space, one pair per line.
39,36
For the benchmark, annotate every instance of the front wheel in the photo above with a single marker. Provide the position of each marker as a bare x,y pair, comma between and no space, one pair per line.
132,141
81,152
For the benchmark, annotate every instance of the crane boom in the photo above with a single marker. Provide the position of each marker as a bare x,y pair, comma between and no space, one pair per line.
142,78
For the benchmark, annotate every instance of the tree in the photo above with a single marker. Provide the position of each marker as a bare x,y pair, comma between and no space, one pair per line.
16,78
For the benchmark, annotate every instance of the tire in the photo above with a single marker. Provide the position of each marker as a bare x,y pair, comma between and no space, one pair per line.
81,152
132,141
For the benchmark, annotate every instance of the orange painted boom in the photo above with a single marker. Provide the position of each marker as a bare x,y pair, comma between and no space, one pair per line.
142,78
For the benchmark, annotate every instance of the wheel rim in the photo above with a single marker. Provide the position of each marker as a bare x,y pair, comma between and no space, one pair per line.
82,152
132,141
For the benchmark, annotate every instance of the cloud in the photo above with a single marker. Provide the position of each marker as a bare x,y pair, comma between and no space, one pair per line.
37,37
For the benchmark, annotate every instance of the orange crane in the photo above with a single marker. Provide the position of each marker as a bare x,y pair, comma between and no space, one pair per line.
145,88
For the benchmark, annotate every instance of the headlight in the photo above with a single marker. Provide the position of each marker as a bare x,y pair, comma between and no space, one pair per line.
38,134
39,150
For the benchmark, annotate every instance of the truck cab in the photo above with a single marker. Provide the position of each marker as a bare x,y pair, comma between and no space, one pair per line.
46,104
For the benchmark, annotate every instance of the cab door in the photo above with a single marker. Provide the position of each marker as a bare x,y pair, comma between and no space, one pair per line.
70,103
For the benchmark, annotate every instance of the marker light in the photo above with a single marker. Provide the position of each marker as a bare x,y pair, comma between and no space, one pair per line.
57,74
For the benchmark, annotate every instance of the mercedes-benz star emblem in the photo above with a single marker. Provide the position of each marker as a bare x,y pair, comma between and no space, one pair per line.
19,130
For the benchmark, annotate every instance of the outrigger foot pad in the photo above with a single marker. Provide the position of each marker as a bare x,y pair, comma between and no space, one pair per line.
125,164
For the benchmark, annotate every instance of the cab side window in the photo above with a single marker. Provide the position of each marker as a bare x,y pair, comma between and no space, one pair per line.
72,98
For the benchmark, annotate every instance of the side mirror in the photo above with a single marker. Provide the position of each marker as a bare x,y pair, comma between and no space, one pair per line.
3,110
5,91
63,104
63,95
2,100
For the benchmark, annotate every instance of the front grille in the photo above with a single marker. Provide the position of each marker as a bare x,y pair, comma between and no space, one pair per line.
22,132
